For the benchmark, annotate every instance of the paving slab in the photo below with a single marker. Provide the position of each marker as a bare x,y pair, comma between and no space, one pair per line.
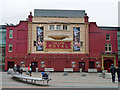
72,80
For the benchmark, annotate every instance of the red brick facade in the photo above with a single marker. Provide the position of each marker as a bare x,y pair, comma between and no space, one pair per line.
97,58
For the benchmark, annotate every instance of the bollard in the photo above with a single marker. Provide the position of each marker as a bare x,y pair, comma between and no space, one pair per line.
83,74
65,74
80,70
27,73
36,69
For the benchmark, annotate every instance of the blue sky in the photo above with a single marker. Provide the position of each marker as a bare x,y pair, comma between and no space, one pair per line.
104,12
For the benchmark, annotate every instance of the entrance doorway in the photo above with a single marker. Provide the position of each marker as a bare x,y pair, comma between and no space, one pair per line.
91,64
82,65
34,66
107,64
10,64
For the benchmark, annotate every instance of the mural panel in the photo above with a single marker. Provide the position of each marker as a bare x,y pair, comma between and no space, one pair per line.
39,45
76,38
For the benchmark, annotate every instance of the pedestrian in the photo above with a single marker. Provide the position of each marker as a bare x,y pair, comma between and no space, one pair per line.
118,73
30,69
44,75
18,68
15,68
113,71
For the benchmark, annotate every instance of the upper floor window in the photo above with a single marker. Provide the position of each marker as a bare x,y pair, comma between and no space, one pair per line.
65,27
107,36
10,47
10,33
81,43
58,27
108,48
51,27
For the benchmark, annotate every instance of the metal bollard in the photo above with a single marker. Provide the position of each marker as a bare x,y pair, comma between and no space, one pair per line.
65,74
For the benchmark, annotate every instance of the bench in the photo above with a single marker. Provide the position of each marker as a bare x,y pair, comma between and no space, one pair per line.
33,79
68,69
49,69
92,70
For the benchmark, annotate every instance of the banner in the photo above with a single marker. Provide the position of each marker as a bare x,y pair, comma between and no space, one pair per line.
39,45
76,38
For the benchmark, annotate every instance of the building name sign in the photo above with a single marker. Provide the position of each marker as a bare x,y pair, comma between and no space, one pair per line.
61,45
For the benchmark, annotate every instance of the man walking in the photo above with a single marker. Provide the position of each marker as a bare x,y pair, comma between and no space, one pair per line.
118,73
113,71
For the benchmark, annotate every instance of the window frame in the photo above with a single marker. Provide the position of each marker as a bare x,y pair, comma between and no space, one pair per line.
52,28
108,38
108,46
10,45
81,44
57,27
64,28
10,34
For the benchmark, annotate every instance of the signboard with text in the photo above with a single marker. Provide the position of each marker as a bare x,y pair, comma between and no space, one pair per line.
58,45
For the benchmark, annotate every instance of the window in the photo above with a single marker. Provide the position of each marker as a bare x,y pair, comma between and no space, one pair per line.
108,47
34,43
10,47
81,43
3,51
58,27
107,36
51,27
65,27
10,33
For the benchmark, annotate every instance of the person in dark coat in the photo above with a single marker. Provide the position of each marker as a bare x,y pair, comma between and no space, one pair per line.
44,75
18,68
113,71
15,68
118,73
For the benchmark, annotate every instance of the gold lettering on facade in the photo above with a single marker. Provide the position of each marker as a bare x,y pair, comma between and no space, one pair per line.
66,46
54,46
58,46
49,46
62,46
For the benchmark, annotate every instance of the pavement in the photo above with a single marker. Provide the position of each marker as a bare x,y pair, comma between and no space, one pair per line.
72,80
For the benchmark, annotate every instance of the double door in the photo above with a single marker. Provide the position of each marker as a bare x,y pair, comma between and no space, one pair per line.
82,66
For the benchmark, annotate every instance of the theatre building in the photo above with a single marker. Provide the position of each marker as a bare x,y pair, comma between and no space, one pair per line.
61,39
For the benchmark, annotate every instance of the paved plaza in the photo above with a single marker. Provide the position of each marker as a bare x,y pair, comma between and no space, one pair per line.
73,80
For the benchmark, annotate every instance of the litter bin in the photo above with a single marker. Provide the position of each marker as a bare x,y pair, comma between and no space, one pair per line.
80,70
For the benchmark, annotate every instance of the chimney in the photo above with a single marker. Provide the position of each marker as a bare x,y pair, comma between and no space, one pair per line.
30,17
86,18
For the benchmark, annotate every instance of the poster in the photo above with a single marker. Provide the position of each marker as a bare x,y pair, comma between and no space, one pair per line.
76,38
39,45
